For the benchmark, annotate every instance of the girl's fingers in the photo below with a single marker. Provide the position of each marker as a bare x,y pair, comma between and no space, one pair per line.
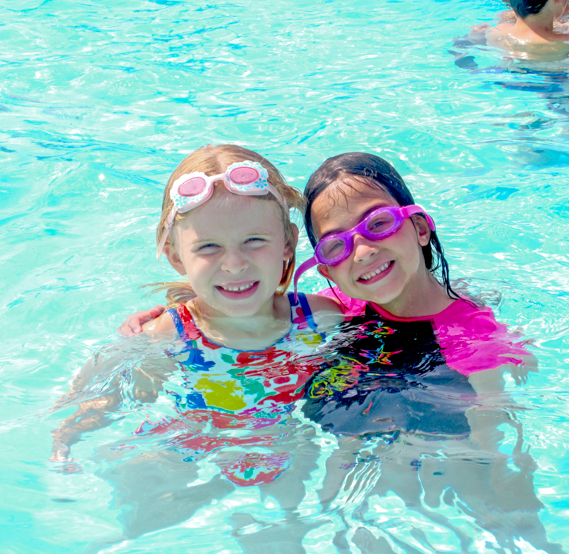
156,311
133,323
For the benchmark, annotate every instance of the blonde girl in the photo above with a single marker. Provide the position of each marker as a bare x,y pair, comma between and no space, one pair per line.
225,225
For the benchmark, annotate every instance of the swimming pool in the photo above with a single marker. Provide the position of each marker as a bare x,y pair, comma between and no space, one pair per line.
99,101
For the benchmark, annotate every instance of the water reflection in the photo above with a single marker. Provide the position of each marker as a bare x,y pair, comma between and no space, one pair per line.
426,462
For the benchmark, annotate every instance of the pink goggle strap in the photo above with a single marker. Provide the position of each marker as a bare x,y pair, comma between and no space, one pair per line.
408,211
168,224
278,196
303,267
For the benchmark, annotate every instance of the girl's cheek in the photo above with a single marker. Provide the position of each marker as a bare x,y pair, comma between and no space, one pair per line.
335,274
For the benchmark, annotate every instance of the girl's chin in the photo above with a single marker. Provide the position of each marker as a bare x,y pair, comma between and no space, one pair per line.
380,294
243,309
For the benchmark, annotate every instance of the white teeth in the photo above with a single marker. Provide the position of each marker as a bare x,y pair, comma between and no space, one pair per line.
368,276
237,289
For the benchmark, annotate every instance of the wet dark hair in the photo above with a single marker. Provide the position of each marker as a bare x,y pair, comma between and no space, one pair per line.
375,173
523,8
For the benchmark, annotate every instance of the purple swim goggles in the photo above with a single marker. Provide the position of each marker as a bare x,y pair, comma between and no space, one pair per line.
378,225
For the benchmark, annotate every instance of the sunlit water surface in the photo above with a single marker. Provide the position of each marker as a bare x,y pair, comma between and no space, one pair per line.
99,101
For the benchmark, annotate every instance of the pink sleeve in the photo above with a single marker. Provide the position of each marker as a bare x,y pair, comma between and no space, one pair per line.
351,307
472,340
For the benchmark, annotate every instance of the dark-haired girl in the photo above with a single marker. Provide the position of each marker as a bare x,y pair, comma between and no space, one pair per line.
415,369
414,349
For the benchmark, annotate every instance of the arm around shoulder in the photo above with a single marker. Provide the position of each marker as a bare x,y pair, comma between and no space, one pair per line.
133,323
325,310
162,325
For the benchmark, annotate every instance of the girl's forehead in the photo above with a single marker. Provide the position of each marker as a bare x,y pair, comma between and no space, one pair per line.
231,213
343,202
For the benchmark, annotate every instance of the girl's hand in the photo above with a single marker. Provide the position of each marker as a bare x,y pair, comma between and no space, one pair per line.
60,452
133,324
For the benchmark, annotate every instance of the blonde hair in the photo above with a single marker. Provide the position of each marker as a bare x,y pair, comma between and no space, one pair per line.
213,160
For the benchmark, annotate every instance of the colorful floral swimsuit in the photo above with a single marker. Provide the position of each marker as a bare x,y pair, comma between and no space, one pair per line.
225,389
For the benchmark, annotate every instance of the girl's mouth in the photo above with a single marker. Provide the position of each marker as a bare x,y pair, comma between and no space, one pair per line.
238,291
376,274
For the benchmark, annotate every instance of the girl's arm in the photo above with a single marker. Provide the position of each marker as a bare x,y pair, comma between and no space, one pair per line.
326,311
492,381
495,408
90,415
96,413
163,325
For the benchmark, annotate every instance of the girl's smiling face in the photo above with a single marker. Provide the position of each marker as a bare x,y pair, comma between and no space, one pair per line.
390,272
232,249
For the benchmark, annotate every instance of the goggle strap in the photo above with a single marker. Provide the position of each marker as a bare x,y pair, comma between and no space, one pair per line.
278,196
408,211
303,267
168,224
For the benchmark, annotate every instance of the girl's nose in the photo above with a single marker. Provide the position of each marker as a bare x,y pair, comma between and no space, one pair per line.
234,262
363,248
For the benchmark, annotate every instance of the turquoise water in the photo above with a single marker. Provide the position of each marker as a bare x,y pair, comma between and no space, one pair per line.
99,101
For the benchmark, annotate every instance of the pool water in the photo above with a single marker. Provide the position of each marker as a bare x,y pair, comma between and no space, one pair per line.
100,100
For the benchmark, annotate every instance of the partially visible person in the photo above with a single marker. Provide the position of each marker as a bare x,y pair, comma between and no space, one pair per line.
509,16
535,31
532,29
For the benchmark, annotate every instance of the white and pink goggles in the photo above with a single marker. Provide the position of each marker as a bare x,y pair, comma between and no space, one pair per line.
194,189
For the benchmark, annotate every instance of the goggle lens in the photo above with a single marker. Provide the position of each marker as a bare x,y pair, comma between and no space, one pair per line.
381,223
331,249
192,187
243,175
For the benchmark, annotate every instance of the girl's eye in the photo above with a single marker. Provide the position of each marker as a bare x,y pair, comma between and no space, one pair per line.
255,240
380,222
208,248
333,248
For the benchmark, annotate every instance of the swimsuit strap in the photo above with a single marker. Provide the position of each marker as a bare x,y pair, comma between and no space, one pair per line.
177,322
183,321
305,311
188,330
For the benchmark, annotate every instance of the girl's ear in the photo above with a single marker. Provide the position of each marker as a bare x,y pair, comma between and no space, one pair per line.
291,248
423,229
174,259
324,270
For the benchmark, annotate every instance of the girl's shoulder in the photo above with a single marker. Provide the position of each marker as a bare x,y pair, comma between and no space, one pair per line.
319,303
319,310
162,325
473,339
465,313
348,306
